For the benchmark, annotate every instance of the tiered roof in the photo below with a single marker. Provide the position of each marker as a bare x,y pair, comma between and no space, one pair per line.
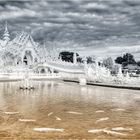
18,44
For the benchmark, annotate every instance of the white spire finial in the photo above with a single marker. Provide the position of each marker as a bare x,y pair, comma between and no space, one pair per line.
6,33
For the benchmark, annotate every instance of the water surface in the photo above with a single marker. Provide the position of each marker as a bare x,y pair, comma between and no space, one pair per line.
79,109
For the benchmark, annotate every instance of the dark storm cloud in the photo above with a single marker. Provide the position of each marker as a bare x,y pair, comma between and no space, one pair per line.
92,24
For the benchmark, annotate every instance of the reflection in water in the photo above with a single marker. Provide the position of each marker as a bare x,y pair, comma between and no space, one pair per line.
71,107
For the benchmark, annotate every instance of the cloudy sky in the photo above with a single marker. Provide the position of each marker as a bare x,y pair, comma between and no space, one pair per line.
91,27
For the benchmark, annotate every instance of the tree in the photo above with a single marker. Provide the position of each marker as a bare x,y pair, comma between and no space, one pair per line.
138,63
90,60
126,59
80,60
67,56
108,62
119,60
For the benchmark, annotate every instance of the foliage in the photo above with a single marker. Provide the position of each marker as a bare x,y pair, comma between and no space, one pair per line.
67,56
138,63
126,59
119,60
108,62
80,60
90,60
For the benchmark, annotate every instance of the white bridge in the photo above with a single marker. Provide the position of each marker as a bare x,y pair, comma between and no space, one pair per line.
45,70
63,67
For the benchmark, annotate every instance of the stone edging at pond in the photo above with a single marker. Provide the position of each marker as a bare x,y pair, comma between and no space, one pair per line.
105,84
88,83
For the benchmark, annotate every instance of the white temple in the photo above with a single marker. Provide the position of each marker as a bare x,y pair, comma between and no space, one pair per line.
22,54
22,50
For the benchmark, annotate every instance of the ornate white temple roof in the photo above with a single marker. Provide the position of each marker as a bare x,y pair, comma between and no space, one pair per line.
22,43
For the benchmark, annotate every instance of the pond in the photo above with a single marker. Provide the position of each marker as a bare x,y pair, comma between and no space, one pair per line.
76,112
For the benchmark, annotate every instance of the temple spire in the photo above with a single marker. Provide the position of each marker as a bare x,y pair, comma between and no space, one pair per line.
6,36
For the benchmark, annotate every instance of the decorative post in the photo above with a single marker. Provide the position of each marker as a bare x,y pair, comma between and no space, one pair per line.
85,61
82,78
97,70
74,58
120,75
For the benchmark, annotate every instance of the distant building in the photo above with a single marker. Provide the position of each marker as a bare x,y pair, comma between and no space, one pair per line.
134,70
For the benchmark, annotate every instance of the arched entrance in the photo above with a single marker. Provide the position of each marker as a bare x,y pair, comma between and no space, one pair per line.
19,61
28,58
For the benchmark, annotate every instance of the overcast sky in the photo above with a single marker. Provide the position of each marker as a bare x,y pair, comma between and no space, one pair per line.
90,27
